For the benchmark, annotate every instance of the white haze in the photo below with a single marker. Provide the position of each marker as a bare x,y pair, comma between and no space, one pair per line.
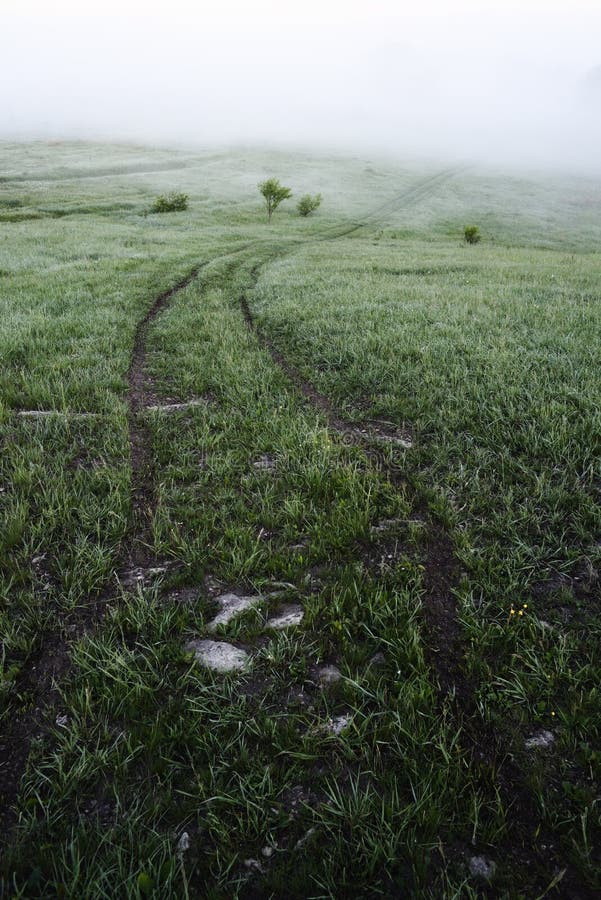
503,82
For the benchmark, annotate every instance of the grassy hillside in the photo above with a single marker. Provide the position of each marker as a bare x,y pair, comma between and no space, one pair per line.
356,419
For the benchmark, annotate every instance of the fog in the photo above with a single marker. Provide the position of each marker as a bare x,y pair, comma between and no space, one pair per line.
516,83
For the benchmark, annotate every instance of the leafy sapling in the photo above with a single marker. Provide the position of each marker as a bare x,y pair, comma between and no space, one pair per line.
274,193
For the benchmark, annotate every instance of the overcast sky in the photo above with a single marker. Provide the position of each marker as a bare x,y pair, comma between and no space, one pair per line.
499,80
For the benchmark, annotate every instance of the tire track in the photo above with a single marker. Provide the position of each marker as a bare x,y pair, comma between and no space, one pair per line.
51,663
136,551
529,842
39,678
444,649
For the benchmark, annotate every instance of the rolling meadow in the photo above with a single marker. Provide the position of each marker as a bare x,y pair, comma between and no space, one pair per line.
386,441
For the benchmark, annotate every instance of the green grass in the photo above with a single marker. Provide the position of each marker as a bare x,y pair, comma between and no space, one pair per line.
487,355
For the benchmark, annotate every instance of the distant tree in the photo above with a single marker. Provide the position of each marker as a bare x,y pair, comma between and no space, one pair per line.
173,202
308,204
471,234
274,193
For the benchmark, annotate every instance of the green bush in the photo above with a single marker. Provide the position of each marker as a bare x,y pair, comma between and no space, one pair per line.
173,202
472,234
308,204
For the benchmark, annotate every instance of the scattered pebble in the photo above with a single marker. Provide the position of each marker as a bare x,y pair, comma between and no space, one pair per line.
231,605
174,407
328,675
46,413
400,439
480,867
385,525
139,576
289,616
211,585
254,865
299,798
338,724
542,739
265,463
218,656
378,660
184,842
306,837
185,596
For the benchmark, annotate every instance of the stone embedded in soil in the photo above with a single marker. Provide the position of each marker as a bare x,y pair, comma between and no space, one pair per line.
175,407
378,660
184,842
328,675
218,656
300,545
46,413
338,724
211,585
264,463
404,442
480,867
542,739
384,526
375,433
288,617
140,576
254,866
185,596
230,606
306,837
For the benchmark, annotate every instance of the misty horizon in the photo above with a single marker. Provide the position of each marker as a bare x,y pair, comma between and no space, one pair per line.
520,88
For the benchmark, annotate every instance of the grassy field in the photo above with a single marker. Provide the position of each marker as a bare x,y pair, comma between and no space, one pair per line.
354,417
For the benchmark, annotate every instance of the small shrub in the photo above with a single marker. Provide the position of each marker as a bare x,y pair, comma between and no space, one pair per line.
173,202
471,234
308,204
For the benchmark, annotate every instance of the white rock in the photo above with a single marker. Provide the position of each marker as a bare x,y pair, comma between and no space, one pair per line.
230,606
289,616
140,576
184,842
303,840
378,659
480,867
46,413
218,656
542,739
265,463
254,865
174,407
328,675
338,724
